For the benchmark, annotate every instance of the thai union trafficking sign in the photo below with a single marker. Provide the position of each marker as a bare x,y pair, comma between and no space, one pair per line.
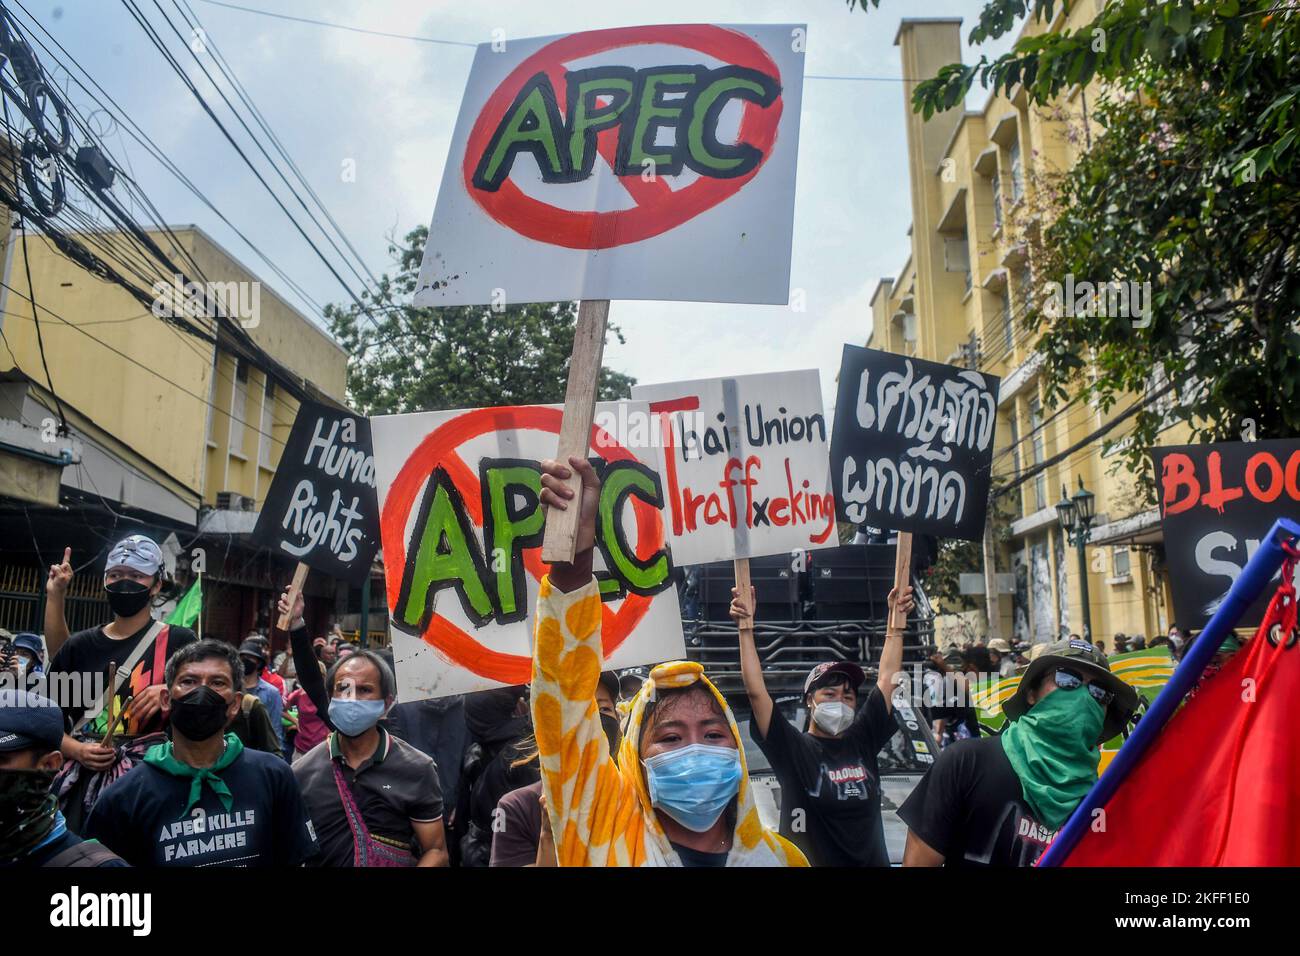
610,164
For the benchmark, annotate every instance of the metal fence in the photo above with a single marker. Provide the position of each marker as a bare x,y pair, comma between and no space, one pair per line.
22,600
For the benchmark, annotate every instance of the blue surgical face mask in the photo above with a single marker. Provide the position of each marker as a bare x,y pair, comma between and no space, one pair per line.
694,784
354,717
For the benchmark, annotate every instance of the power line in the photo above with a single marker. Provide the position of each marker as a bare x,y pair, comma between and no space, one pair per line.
463,43
339,26
229,73
142,138
156,39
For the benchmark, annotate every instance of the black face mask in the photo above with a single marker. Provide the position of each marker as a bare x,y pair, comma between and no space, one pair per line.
127,598
199,714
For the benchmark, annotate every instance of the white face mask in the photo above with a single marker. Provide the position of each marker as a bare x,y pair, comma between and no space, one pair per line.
834,717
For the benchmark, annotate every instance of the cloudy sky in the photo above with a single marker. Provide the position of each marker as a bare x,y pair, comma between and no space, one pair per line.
386,107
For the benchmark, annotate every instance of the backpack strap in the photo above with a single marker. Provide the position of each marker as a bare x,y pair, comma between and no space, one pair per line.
123,671
85,853
160,653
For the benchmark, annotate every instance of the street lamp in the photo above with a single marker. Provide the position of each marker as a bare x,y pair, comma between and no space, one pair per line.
1076,515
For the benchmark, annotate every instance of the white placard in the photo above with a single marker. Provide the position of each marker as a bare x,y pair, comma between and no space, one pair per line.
462,531
653,162
746,465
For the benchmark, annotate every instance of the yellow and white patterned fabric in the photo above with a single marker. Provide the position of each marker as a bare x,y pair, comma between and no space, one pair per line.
600,810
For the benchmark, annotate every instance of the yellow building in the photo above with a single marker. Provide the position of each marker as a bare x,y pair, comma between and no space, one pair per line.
176,420
975,178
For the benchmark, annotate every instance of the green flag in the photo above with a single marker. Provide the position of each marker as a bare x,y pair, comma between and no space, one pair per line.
189,607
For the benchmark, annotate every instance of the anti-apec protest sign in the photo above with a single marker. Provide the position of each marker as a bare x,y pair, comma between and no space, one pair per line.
462,523
912,444
745,465
611,164
321,508
1217,501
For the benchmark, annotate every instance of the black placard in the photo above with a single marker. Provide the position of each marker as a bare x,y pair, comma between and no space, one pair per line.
912,444
322,508
1216,503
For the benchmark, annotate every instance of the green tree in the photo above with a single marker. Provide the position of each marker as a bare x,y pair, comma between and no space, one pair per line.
1192,185
412,359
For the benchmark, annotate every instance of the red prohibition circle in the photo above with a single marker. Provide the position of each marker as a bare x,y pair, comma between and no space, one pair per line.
658,208
438,448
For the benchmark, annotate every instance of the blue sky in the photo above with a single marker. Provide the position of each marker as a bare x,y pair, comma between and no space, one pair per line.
386,107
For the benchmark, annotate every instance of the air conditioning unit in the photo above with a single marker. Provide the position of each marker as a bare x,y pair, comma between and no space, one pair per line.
233,501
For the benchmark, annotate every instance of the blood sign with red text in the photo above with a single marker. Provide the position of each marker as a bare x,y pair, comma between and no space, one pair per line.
461,524
653,162
1217,502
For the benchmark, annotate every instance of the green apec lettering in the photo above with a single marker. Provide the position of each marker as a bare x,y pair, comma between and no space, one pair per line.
490,580
688,100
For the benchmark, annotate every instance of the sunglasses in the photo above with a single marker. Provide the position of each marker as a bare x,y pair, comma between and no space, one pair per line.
1067,679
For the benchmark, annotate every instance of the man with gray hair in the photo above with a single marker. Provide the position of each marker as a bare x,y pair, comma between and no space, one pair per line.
373,798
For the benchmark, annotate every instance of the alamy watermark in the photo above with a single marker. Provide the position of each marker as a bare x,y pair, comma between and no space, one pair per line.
241,301
1114,299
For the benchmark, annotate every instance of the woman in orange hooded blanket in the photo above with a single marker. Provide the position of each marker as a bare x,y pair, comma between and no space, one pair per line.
678,793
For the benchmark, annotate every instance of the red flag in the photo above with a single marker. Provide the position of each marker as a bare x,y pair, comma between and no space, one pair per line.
1219,786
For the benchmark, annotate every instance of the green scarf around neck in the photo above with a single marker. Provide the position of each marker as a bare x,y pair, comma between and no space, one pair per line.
1053,750
161,757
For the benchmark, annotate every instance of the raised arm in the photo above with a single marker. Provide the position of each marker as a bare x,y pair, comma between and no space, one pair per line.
56,592
310,678
891,655
751,668
583,788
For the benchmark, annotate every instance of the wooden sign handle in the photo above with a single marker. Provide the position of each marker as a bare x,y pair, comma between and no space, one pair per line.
112,715
299,579
559,541
902,577
742,589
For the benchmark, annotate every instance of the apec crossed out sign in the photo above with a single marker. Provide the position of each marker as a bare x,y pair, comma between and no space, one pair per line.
610,164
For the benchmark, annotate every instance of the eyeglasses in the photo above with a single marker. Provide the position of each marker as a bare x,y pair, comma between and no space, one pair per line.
1067,679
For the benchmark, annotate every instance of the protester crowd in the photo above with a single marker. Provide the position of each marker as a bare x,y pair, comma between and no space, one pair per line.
200,753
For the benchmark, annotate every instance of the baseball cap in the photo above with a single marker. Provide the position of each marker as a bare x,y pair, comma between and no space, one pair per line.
32,642
253,649
137,552
819,674
1083,656
29,720
1000,645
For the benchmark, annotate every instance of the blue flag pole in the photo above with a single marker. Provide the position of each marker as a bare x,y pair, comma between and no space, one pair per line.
1252,581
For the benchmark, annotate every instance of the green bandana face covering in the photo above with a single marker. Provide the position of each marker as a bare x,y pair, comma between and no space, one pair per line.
161,757
1053,750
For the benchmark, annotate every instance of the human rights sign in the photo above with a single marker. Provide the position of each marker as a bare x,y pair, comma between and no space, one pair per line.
321,508
612,164
912,446
462,526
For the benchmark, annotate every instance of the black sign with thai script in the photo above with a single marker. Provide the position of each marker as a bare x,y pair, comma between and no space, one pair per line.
1217,503
912,444
322,508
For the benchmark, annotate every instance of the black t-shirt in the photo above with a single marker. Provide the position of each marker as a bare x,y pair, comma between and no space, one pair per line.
969,806
830,787
396,786
91,651
142,817
695,858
